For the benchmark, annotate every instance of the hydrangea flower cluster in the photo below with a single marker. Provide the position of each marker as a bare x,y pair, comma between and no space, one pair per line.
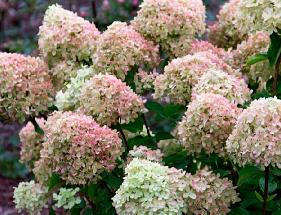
205,46
68,99
67,198
224,33
31,143
150,188
207,123
218,82
256,138
181,74
107,99
62,73
77,148
255,44
172,24
66,36
30,197
142,152
144,80
25,87
120,48
214,195
262,15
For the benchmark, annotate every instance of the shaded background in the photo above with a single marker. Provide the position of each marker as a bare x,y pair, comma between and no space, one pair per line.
19,23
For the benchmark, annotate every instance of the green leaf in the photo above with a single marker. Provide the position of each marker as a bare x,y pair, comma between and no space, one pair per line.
154,107
249,198
102,199
178,160
135,126
173,110
272,185
113,181
141,140
278,212
88,211
51,211
271,197
239,211
130,78
262,94
249,175
257,58
274,50
53,181
75,211
259,197
276,172
163,136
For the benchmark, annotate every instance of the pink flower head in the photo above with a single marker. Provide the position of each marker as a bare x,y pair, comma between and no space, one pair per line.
256,137
207,123
31,143
77,148
255,44
223,33
173,24
66,36
26,87
120,48
214,195
181,74
108,100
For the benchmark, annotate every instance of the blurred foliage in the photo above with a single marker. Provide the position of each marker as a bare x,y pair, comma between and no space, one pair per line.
10,165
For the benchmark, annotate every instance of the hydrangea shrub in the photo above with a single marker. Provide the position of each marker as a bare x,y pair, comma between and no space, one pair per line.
148,117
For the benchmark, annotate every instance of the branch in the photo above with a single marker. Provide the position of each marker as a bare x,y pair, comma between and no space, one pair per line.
146,125
124,137
265,195
233,173
276,74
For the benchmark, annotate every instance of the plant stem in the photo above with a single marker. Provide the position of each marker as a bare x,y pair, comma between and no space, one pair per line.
108,188
90,203
146,125
232,172
265,195
94,9
276,74
36,126
124,137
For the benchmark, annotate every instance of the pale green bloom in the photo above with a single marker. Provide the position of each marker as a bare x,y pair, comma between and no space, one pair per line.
67,198
30,197
69,99
150,188
258,15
